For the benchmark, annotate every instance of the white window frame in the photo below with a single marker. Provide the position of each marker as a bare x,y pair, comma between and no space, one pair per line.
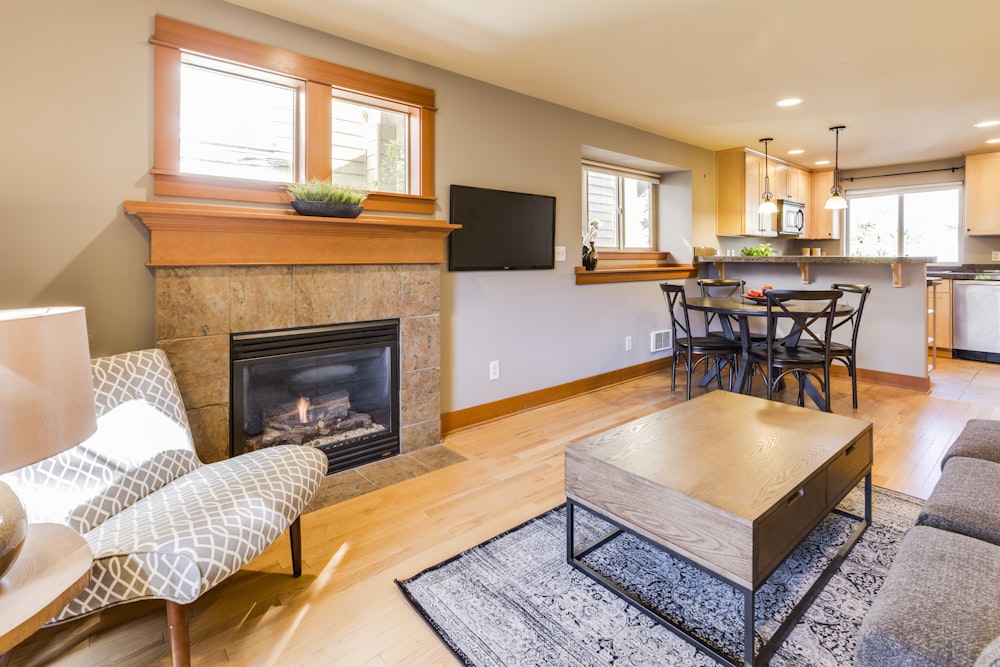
621,173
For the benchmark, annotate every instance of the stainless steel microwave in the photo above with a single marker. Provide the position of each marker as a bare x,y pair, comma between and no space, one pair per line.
791,216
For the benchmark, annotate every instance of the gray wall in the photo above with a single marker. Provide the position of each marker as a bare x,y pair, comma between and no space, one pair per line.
77,142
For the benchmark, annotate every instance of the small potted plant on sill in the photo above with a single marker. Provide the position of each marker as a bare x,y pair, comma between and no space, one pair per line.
326,198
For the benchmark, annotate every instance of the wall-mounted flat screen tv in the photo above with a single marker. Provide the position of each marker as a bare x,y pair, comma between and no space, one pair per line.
501,231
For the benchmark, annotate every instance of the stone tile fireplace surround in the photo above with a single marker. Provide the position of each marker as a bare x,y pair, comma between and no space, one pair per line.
198,306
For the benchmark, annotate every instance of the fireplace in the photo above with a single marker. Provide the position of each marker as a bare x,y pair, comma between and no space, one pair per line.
334,387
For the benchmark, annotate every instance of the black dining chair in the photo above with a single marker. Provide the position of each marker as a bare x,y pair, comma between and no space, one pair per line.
843,352
719,287
804,351
717,350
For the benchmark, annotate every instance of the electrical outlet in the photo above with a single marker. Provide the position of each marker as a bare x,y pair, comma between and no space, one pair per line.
628,343
560,253
996,255
495,370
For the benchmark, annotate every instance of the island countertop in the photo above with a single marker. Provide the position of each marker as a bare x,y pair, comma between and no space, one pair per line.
813,259
805,262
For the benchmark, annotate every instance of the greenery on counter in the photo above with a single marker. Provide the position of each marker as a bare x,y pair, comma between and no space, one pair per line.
762,250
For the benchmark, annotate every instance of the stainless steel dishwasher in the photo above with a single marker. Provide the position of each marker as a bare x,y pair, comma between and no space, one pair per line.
976,319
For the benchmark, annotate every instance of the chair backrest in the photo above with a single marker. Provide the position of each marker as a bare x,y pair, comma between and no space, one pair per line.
679,322
854,319
143,442
720,287
814,326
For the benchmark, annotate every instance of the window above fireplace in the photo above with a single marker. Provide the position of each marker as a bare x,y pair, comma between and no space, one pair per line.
206,143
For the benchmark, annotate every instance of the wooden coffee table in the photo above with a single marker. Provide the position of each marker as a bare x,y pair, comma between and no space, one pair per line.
729,483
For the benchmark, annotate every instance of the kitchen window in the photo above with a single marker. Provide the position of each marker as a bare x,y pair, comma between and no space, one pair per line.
237,120
623,201
910,222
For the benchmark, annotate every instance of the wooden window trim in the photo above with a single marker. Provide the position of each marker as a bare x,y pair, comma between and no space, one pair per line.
321,79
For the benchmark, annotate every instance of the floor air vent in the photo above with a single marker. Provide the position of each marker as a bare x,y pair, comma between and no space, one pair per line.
661,340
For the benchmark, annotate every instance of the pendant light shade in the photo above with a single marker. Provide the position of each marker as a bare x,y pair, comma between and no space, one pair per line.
836,200
767,204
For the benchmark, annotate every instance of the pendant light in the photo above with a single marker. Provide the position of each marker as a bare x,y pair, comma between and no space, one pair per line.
836,200
767,204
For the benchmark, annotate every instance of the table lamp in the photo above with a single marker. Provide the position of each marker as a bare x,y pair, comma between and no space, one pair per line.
46,401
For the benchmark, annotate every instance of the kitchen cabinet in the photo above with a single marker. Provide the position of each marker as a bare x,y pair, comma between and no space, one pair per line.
739,185
821,223
940,301
982,194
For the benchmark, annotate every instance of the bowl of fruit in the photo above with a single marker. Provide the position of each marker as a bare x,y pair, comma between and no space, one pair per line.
758,296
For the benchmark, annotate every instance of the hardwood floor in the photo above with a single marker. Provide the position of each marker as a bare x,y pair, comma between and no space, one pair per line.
345,609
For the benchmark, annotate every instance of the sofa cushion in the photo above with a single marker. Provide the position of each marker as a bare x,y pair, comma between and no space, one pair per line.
980,439
939,605
966,499
184,539
108,471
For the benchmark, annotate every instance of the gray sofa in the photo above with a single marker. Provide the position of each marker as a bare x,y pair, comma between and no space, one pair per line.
940,603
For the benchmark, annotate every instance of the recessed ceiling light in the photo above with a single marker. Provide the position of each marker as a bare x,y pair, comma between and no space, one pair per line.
993,141
822,162
987,123
790,102
796,151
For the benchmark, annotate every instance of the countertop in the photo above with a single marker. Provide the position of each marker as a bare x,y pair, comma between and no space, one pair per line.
811,259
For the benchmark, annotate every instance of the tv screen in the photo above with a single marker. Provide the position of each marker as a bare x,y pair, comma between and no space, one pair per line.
501,231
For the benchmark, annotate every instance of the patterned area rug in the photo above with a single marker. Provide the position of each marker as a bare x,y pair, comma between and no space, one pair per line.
514,600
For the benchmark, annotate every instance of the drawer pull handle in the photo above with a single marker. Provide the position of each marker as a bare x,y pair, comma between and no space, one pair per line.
795,496
850,449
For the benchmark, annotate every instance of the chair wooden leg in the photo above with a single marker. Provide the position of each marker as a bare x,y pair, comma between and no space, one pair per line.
295,537
180,639
853,369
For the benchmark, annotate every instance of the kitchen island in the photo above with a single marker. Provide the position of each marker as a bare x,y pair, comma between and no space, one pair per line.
892,341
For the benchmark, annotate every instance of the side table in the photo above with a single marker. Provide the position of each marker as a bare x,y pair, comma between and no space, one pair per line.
53,567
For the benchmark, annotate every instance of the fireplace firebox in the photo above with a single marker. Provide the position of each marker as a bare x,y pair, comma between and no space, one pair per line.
332,387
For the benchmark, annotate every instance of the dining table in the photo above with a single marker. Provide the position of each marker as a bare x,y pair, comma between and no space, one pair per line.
741,309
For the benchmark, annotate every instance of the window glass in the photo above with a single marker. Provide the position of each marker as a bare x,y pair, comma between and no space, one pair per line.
916,223
235,124
638,207
369,147
874,226
602,205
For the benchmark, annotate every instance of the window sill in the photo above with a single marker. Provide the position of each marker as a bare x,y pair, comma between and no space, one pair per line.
628,274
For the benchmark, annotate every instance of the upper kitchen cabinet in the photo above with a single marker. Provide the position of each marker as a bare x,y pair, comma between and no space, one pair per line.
740,184
982,194
821,223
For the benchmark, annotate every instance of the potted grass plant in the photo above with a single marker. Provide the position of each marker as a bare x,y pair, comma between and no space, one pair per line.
326,198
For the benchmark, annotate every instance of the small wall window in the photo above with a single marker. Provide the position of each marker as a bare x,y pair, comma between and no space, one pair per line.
623,201
237,120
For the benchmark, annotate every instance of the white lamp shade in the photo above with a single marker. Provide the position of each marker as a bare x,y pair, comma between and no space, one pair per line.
46,390
836,202
768,206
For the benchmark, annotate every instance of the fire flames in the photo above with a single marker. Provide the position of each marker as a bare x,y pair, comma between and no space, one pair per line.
303,408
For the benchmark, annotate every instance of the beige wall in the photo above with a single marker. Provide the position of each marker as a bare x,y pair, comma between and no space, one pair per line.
76,128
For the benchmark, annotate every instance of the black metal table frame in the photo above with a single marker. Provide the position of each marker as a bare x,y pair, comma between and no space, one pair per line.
575,558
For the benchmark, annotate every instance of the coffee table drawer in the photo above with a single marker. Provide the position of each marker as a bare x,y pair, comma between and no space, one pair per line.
846,469
788,524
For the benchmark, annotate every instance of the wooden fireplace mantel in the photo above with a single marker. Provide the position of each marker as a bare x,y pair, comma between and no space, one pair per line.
209,235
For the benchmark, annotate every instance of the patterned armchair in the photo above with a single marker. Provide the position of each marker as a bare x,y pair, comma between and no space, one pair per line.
159,522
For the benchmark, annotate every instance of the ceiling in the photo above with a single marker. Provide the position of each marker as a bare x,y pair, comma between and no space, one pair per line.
907,79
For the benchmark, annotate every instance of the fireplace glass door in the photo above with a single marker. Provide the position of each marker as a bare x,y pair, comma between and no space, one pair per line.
332,387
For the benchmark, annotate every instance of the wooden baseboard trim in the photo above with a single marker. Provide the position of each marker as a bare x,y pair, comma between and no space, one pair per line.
883,379
478,414
453,421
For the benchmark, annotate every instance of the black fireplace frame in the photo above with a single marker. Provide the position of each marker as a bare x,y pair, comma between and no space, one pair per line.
253,347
